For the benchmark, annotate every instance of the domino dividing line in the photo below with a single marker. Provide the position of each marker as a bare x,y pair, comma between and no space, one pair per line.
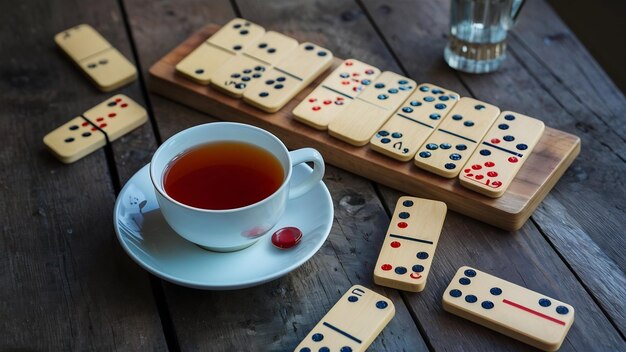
332,327
526,309
410,238
503,149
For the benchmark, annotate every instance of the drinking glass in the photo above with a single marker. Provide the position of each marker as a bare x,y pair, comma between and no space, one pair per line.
478,28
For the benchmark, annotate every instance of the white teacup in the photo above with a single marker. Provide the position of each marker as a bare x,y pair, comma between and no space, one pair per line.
231,229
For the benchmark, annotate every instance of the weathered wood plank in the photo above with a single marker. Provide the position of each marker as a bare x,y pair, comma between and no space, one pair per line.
604,278
275,316
514,87
565,59
67,284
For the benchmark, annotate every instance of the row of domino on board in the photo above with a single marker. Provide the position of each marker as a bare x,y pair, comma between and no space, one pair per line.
442,132
357,103
404,263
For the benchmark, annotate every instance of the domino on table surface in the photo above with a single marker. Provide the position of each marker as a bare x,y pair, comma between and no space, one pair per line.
507,308
352,323
100,61
283,81
409,247
503,151
335,93
236,75
413,122
82,135
360,120
229,41
450,145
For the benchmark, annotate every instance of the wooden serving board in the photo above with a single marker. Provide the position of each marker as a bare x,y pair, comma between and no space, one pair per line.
551,157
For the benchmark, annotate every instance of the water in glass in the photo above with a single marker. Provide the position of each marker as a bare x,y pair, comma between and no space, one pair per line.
478,28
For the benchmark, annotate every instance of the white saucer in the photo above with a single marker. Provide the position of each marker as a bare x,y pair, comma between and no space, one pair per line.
147,238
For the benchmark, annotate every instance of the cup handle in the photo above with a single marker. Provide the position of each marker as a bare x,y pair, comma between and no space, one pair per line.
301,156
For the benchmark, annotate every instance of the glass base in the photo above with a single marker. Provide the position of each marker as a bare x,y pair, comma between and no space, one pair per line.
461,63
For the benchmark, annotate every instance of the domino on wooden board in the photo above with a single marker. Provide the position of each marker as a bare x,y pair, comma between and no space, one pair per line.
360,120
236,75
100,61
352,323
82,135
500,155
409,247
335,93
282,82
509,309
449,146
222,46
412,123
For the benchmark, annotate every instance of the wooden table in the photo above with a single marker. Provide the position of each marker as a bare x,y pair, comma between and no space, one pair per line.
68,285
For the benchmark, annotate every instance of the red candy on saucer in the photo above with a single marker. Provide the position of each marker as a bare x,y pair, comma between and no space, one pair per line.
287,237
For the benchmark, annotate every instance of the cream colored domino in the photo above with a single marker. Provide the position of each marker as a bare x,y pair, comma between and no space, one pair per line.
470,118
336,91
109,69
409,247
357,122
230,40
450,145
117,116
237,35
110,120
411,124
360,120
281,83
444,154
509,309
307,61
271,48
352,324
201,63
81,42
236,75
351,77
388,91
74,140
502,152
320,107
101,62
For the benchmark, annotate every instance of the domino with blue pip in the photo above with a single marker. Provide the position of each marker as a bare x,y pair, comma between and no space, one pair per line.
509,309
283,81
409,247
335,93
413,122
359,121
502,152
450,145
236,75
352,324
